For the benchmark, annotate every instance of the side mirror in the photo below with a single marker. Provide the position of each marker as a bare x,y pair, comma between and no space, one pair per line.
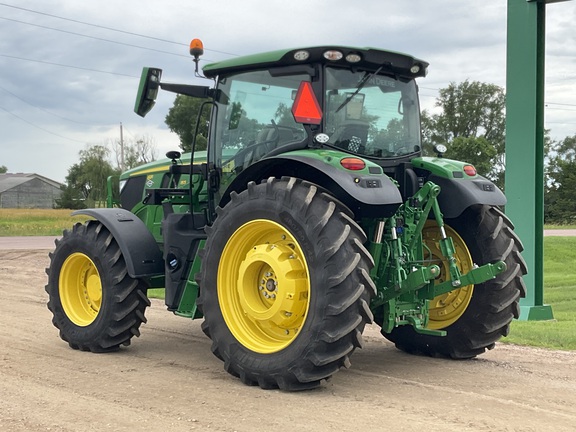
147,90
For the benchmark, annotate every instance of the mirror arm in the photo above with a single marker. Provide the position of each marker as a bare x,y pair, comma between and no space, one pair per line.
188,90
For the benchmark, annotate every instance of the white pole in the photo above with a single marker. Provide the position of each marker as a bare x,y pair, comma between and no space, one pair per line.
121,148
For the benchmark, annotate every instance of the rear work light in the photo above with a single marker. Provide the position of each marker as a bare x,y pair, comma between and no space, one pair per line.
353,58
353,164
301,55
333,55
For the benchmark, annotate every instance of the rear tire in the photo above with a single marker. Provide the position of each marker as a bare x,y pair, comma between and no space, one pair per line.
489,236
95,304
285,285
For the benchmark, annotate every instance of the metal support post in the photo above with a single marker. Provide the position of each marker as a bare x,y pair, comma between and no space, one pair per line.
525,143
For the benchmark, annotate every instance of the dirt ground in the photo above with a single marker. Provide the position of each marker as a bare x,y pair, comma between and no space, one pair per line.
168,380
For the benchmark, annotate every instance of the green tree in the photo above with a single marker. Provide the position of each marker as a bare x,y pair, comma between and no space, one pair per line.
236,114
477,151
181,119
470,110
559,200
3,169
87,178
70,198
427,128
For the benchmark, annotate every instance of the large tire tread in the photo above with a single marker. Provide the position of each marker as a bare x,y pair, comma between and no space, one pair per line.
332,330
124,298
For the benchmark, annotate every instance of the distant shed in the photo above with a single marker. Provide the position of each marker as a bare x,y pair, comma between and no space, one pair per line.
28,191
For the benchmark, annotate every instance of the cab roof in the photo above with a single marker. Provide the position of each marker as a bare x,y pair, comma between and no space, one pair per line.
367,58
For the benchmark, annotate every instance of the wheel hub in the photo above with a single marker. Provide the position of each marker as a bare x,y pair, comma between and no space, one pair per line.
93,289
447,308
80,289
263,286
271,284
280,303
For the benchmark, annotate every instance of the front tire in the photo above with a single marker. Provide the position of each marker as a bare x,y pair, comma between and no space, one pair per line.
95,304
474,317
285,285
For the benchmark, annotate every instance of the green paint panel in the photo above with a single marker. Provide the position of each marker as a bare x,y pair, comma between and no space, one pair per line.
442,167
245,61
188,307
333,158
524,136
536,313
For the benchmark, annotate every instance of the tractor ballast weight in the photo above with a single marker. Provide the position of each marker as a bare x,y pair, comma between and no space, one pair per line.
311,214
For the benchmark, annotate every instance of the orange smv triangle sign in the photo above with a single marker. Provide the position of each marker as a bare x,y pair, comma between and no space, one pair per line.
306,108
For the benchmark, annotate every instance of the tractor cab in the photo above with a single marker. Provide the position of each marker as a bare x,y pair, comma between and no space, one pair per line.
356,102
362,100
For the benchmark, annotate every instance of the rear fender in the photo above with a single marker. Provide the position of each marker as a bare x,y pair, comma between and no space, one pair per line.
141,252
459,190
457,195
368,193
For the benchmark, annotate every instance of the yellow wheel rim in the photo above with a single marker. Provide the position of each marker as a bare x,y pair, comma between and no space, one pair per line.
80,289
263,286
446,309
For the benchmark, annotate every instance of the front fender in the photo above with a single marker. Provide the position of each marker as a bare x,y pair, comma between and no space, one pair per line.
141,252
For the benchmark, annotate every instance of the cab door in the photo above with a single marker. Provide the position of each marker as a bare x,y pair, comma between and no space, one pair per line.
251,117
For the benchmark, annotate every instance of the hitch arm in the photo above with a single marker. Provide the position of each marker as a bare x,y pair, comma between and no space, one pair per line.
474,276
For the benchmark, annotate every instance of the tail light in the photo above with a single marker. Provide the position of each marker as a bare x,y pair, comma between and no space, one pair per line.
470,170
353,164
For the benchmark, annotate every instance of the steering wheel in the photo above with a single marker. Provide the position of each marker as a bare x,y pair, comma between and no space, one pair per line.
273,141
256,150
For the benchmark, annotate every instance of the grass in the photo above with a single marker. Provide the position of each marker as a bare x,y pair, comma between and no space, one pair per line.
44,222
559,227
559,275
560,293
156,293
36,222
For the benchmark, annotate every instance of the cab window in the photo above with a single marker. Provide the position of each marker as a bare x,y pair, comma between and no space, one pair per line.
253,118
371,115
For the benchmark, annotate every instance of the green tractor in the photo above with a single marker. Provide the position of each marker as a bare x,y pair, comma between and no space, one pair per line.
311,214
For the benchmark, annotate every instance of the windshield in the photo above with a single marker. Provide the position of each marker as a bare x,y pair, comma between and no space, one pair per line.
371,115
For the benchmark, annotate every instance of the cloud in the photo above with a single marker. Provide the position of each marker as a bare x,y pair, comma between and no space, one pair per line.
60,90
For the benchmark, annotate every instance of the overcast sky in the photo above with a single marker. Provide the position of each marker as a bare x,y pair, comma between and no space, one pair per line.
69,69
